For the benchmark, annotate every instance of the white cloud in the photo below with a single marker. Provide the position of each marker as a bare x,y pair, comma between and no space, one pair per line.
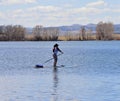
51,15
13,2
44,9
115,10
54,15
86,10
30,1
97,4
91,8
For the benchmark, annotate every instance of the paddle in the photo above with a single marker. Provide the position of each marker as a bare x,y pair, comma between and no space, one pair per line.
41,66
51,58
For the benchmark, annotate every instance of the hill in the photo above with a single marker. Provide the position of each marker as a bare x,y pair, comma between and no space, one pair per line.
77,27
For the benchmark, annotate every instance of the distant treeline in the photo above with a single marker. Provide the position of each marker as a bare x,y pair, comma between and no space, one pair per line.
104,31
19,33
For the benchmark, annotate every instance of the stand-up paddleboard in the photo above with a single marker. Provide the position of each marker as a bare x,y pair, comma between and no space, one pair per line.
59,66
41,66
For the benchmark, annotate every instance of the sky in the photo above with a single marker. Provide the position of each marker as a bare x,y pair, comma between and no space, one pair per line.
48,13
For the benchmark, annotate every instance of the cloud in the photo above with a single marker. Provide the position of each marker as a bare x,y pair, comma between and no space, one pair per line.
63,15
115,10
91,8
14,2
50,15
30,1
85,10
44,8
2,15
97,4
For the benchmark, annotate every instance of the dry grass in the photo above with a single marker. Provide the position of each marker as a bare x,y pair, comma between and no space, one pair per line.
30,37
116,37
62,38
93,37
74,38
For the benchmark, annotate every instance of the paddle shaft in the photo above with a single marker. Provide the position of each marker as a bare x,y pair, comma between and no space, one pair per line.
51,58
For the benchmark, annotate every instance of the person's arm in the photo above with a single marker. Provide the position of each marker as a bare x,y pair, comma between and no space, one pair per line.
60,50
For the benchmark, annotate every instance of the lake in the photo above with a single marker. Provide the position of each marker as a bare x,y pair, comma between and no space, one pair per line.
90,71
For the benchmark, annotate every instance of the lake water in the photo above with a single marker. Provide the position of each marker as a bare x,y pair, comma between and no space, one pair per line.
91,71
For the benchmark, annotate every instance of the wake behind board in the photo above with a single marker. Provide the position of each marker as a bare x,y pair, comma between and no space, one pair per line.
60,66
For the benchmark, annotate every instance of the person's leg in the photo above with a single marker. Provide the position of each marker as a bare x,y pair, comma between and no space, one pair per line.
55,60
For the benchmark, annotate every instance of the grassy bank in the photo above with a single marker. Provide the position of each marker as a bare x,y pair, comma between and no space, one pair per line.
30,37
92,37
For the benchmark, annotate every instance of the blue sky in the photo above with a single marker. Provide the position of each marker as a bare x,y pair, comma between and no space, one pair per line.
30,13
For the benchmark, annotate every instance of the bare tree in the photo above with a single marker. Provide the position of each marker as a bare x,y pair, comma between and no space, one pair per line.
79,35
8,32
2,34
88,34
1,29
37,32
68,35
52,33
109,30
82,34
19,32
40,33
14,33
104,31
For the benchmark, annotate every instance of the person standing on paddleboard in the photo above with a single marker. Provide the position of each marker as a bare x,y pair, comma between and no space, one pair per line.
55,51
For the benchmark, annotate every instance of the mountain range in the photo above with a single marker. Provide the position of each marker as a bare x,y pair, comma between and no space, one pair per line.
77,27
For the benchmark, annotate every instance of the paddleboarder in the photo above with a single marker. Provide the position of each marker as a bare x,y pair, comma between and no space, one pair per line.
55,51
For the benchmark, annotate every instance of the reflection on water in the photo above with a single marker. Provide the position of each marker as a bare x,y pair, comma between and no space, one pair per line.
55,85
